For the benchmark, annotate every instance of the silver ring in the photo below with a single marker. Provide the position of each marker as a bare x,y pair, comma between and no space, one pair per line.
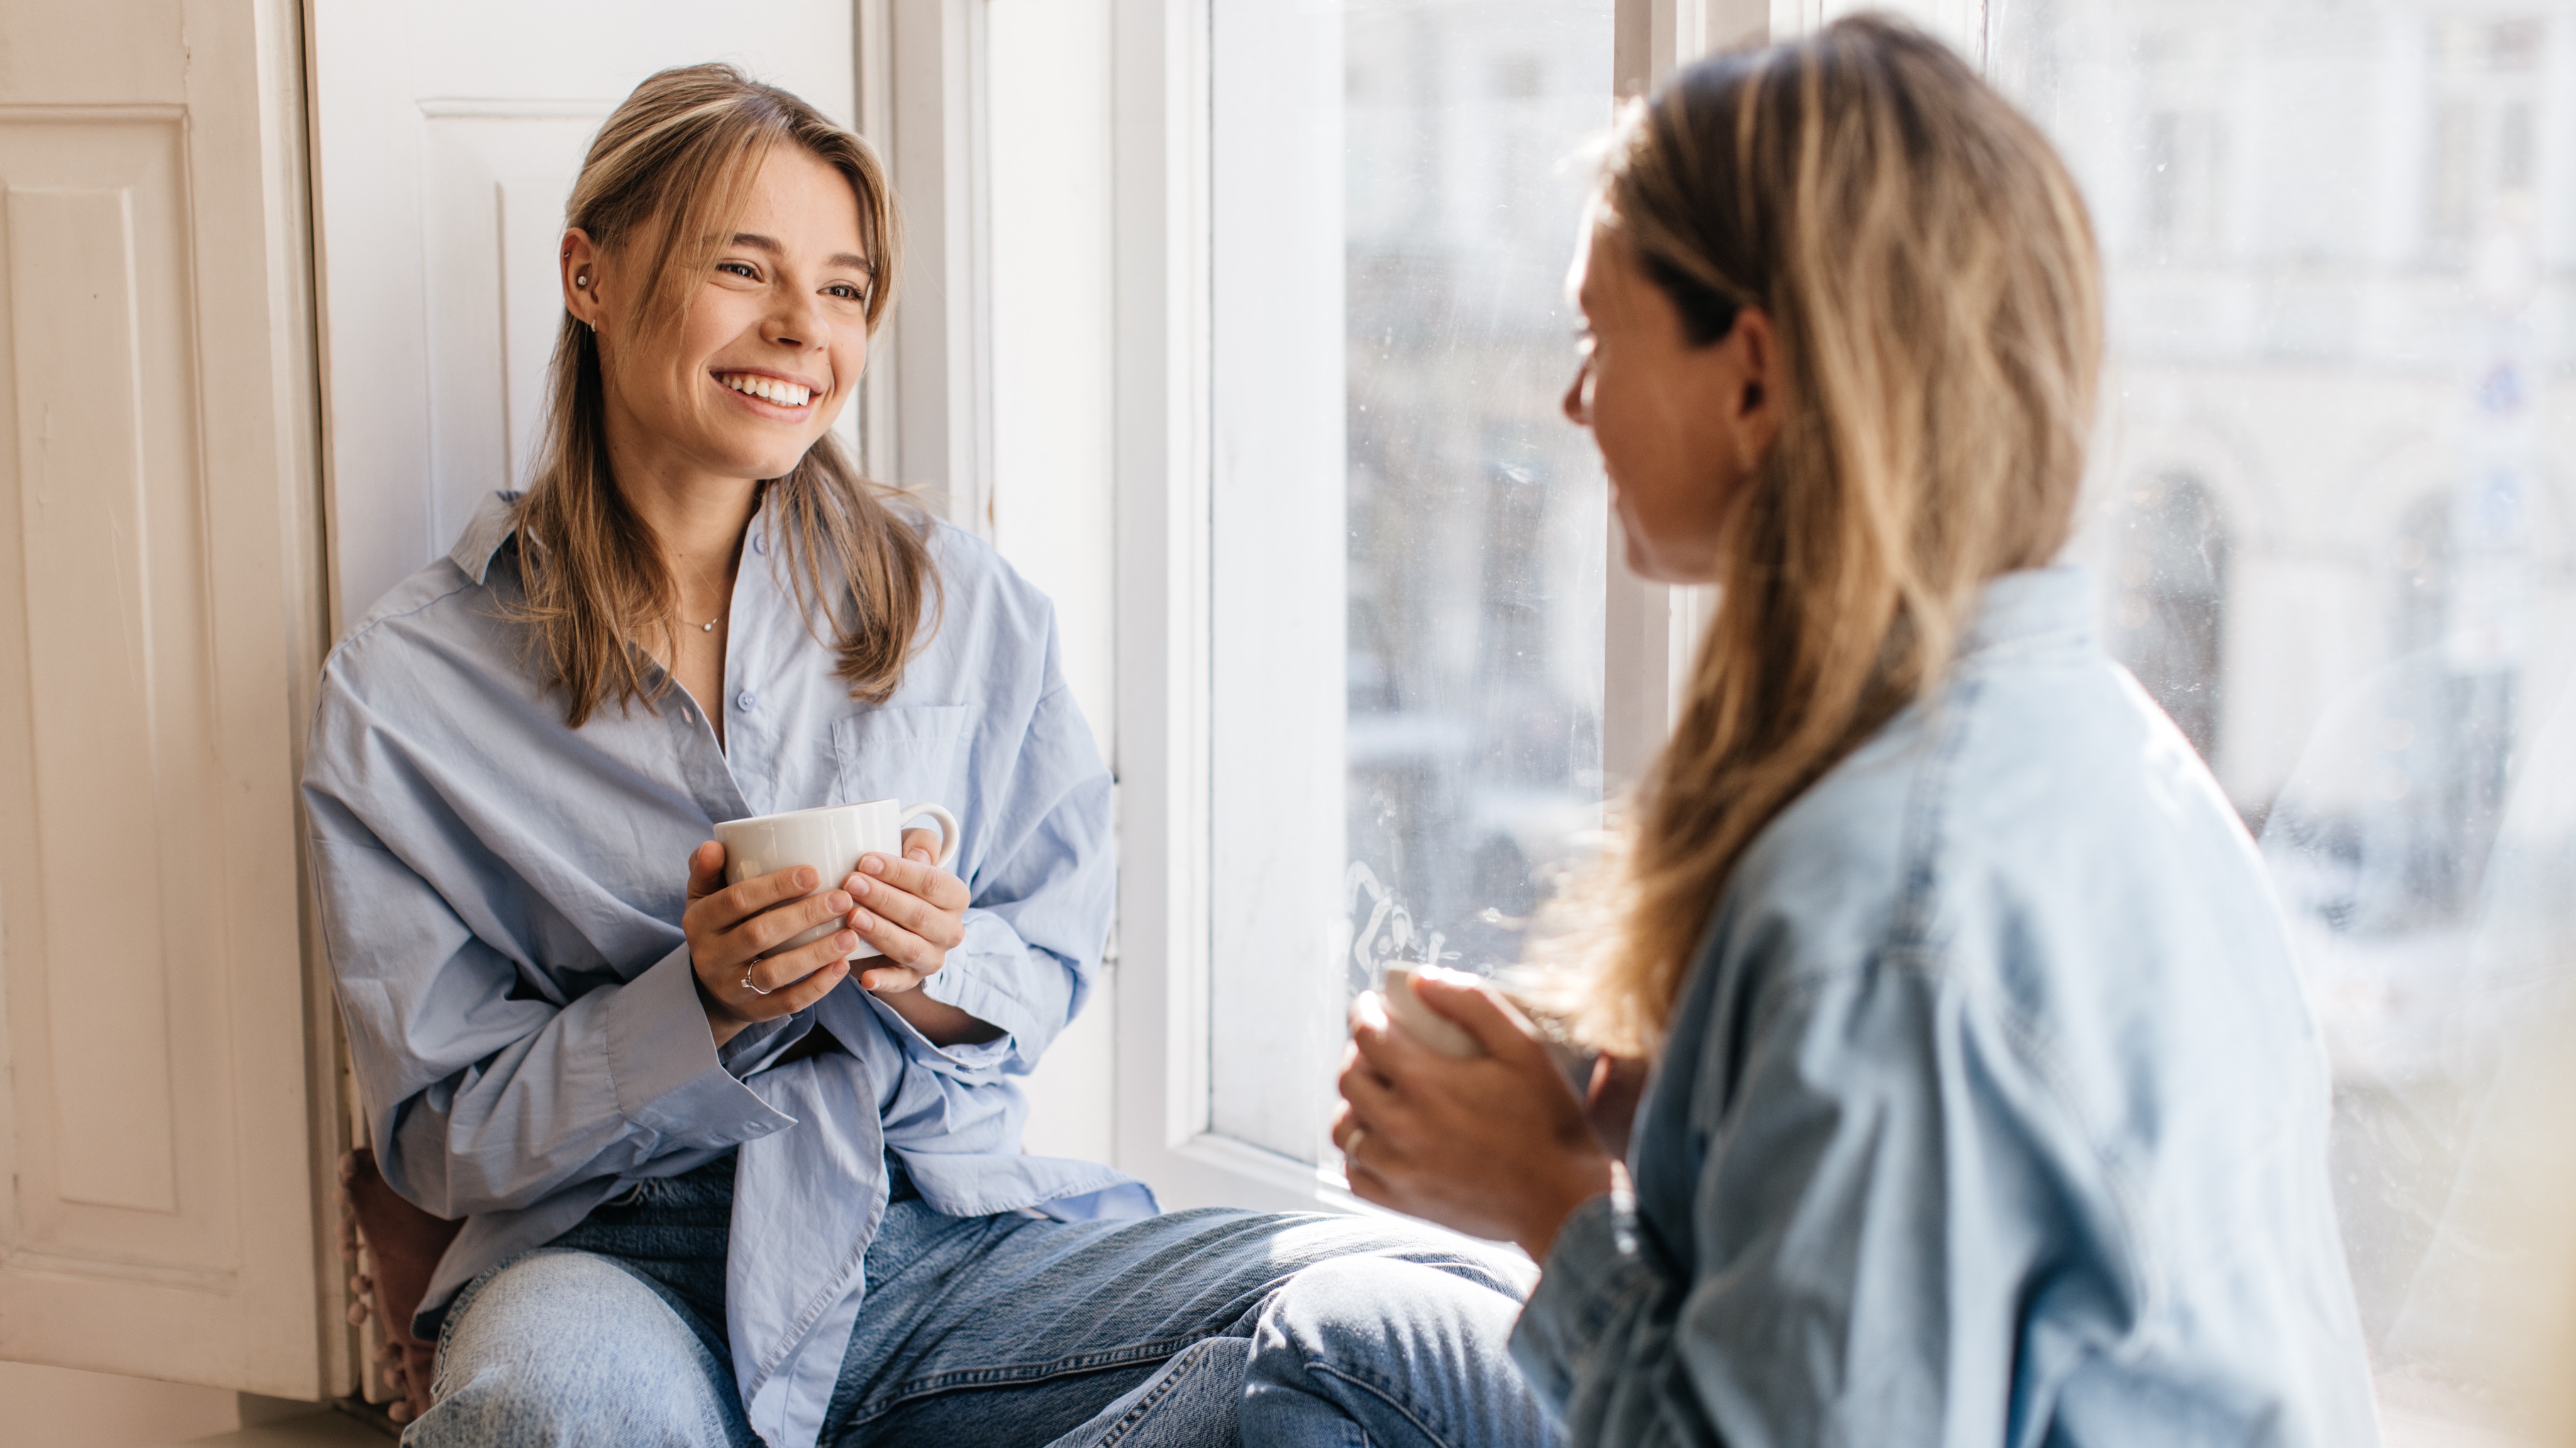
747,985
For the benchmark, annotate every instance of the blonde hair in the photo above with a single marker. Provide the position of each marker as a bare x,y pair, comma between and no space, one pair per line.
1932,278
662,183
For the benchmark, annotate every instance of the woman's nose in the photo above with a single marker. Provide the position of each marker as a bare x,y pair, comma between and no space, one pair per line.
798,322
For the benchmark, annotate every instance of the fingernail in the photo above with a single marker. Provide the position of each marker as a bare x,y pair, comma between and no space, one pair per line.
873,864
839,902
846,940
861,920
806,879
859,888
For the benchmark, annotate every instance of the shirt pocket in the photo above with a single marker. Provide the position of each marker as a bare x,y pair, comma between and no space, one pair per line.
914,754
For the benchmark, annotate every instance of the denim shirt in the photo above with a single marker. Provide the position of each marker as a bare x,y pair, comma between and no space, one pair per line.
1991,1112
501,899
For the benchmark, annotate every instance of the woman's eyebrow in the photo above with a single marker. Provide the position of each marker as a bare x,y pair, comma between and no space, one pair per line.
769,244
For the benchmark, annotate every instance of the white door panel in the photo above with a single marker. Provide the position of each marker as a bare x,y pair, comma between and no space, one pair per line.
157,502
448,137
493,177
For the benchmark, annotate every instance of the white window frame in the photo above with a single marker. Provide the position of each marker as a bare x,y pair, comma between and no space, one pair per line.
1164,470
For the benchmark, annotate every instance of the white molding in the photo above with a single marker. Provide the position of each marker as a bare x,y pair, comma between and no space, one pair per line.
1279,548
1160,254
880,405
933,142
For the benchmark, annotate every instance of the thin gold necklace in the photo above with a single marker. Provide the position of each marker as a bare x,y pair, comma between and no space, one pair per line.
710,625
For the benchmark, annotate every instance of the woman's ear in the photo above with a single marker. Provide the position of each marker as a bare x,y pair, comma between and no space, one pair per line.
582,278
1755,369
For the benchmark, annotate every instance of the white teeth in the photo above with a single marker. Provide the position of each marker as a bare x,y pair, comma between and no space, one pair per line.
785,394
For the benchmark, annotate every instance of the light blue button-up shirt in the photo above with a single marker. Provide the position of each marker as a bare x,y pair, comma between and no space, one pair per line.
1991,1115
501,899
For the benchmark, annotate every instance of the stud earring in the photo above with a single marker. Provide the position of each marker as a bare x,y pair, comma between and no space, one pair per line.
582,280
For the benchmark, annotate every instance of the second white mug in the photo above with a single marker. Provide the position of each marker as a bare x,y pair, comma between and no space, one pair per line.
831,838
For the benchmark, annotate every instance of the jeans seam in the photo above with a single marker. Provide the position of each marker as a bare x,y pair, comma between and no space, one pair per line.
936,1383
1127,1421
1384,1396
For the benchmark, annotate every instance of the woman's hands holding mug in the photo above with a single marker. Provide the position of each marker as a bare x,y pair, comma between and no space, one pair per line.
915,913
1495,1145
728,927
911,910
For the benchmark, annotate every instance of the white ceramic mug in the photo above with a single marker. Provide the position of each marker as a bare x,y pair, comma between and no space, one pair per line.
1433,1029
830,838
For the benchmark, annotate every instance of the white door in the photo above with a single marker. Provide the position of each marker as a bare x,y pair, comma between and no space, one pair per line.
160,616
446,139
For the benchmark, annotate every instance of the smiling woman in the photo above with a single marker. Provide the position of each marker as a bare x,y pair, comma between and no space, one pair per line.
717,1185
720,285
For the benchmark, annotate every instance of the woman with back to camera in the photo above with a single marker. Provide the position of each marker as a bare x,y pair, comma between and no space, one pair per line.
1983,1108
711,1196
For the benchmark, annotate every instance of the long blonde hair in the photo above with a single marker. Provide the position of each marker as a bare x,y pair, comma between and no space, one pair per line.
662,182
1932,278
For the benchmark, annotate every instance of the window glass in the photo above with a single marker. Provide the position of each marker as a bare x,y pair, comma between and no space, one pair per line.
1462,663
1475,510
2329,517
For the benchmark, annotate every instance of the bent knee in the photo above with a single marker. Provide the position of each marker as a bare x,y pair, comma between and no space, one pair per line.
561,1344
1365,1245
1376,1305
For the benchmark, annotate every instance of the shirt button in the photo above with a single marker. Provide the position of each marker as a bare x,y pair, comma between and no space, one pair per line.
745,700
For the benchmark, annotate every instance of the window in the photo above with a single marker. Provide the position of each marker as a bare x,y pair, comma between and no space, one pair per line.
2169,602
1365,702
1408,552
2328,533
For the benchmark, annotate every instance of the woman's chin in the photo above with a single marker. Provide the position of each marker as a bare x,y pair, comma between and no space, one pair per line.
760,462
1660,565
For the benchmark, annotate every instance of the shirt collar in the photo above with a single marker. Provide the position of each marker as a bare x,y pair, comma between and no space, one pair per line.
2032,603
491,527
497,519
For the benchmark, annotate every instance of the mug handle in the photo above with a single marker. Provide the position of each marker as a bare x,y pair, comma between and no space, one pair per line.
948,836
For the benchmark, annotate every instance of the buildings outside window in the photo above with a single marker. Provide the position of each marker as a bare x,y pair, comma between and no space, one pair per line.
2341,248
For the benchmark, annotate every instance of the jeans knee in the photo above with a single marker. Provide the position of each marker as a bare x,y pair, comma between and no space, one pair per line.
567,1348
1408,1352
1377,1308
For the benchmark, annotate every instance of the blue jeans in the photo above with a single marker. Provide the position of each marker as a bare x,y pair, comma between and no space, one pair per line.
1194,1328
